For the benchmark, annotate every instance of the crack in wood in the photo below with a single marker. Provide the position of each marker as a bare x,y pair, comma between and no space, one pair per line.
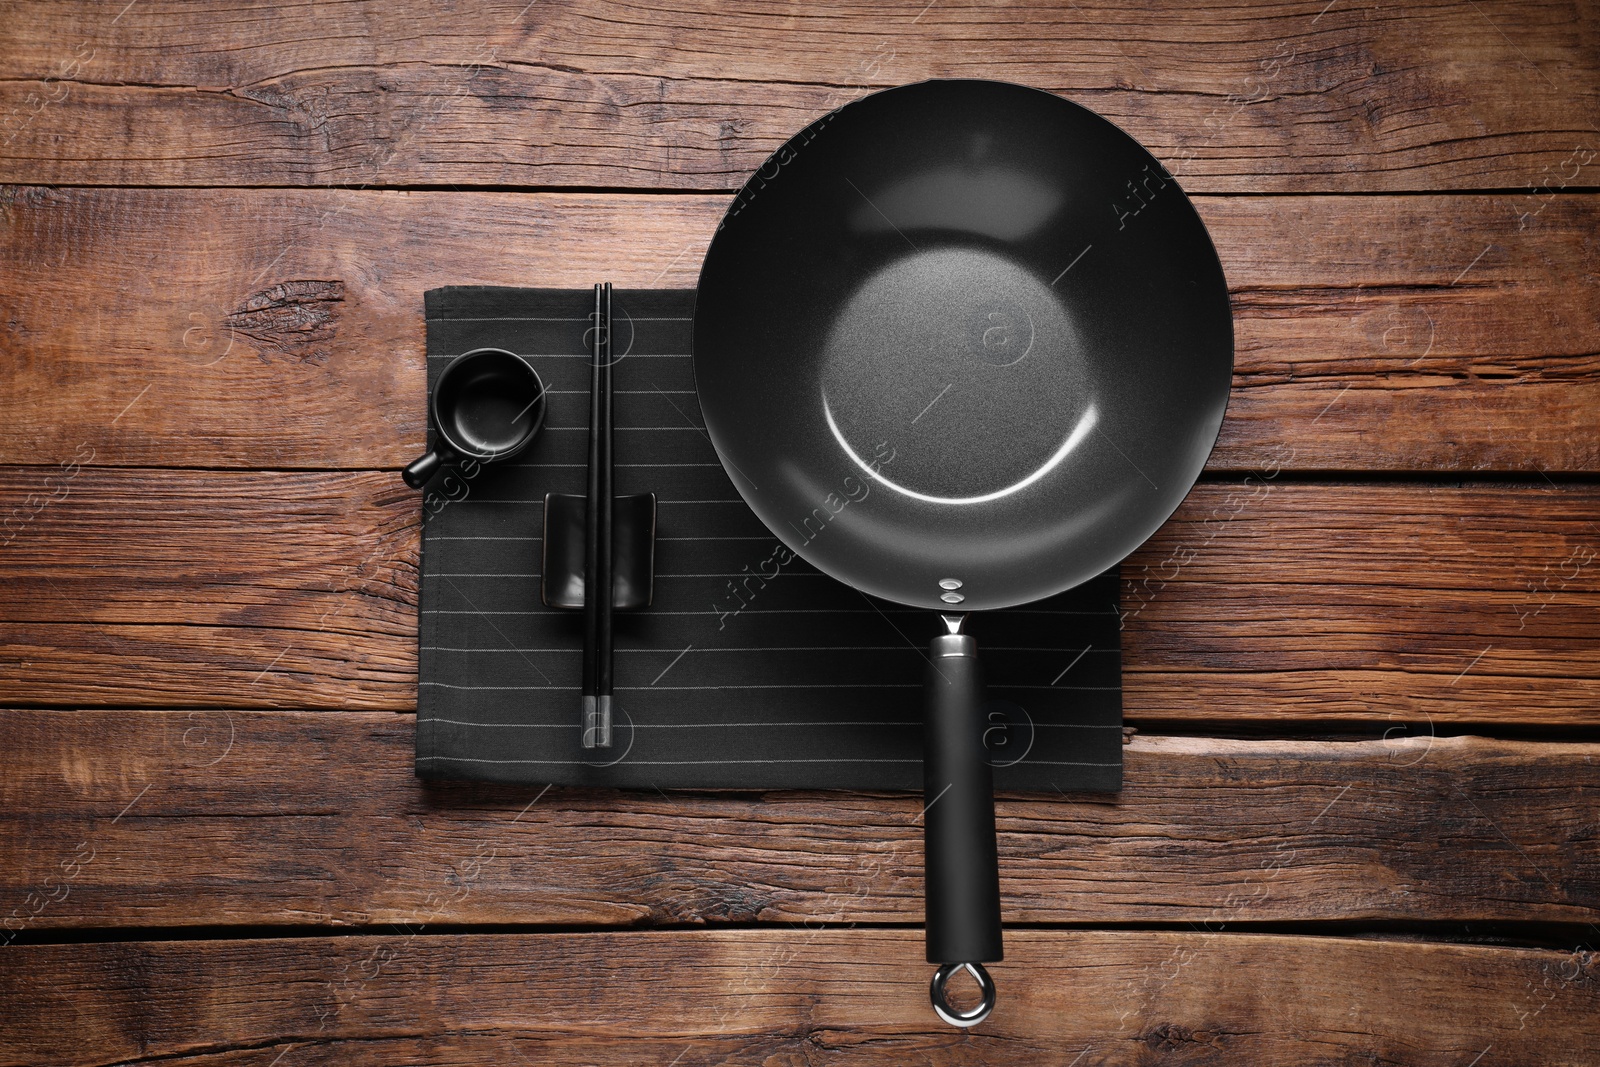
295,319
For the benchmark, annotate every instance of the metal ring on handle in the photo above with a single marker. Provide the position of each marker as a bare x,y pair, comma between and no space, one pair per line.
985,990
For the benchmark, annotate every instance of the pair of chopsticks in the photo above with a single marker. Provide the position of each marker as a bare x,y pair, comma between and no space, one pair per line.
597,591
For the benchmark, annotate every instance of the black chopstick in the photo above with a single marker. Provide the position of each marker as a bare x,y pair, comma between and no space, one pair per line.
607,530
597,593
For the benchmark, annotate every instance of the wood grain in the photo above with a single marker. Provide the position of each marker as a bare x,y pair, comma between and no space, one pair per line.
1274,97
211,279
215,818
275,329
1262,599
814,997
277,587
1388,603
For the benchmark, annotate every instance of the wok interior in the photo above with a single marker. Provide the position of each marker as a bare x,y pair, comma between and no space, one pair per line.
962,342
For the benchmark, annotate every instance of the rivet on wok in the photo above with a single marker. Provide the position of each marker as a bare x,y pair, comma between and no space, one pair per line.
951,598
949,583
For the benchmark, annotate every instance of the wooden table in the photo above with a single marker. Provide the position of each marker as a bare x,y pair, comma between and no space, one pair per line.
1360,822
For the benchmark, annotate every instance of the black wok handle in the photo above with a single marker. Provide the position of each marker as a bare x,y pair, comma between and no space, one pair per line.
960,857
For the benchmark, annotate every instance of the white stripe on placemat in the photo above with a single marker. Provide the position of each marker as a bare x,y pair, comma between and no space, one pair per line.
539,500
723,762
619,429
487,537
585,319
733,725
790,685
531,466
580,355
679,762
670,725
777,611
658,577
497,537
700,688
988,648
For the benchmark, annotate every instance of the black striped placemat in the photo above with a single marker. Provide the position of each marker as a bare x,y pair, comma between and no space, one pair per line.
743,674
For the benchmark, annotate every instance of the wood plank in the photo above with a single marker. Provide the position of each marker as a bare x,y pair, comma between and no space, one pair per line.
284,329
1388,603
318,568
215,818
1290,96
1262,599
824,996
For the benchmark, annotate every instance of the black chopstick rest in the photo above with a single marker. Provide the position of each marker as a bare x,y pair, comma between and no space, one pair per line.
633,544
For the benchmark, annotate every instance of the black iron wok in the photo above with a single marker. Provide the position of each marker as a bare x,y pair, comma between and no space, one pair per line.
962,345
